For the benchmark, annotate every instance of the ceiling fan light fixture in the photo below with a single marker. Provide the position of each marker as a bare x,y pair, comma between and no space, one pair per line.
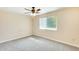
33,14
33,11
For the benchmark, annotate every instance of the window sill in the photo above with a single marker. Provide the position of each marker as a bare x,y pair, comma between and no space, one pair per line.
53,29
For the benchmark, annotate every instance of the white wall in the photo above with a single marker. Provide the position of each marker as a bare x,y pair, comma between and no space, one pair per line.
68,26
13,26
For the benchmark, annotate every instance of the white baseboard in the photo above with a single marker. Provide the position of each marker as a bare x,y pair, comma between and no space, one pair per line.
14,39
63,42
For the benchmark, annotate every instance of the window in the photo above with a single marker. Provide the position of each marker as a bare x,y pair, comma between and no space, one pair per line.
49,23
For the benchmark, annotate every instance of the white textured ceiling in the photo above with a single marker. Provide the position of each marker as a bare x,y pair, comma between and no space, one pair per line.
22,11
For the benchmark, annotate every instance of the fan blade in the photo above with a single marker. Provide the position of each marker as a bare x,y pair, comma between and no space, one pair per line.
38,9
27,12
27,9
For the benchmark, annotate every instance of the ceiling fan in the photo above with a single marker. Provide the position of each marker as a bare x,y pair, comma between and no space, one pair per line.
32,11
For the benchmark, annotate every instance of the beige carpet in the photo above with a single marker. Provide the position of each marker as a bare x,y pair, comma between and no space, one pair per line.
35,43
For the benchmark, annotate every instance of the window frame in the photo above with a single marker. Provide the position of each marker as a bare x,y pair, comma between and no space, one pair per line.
53,29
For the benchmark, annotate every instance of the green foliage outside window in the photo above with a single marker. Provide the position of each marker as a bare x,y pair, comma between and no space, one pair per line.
51,22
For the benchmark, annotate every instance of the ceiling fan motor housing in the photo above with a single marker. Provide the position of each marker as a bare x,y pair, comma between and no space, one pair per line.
33,10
